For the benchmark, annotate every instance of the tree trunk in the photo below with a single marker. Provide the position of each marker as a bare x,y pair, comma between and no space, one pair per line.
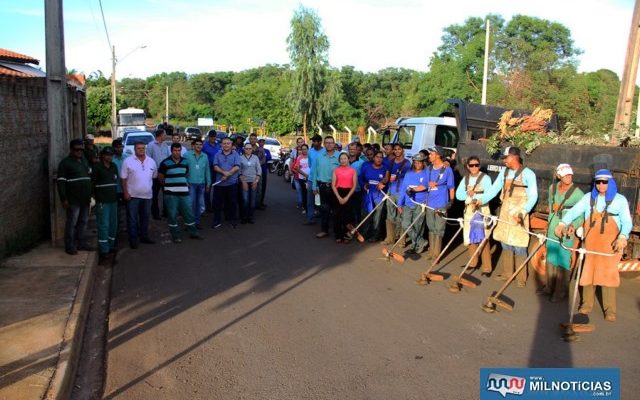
304,127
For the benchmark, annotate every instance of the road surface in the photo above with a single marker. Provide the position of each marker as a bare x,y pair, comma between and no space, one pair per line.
267,311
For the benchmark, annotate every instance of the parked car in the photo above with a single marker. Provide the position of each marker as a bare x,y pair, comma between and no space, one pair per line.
273,145
193,133
134,137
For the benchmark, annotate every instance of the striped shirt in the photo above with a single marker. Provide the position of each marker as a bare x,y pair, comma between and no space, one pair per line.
175,176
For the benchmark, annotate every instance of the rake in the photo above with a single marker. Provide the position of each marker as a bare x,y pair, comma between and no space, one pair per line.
354,230
398,257
571,328
460,280
494,300
428,276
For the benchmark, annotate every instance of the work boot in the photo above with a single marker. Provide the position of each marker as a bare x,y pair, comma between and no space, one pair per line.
473,262
391,229
506,260
522,276
485,256
430,243
588,299
403,242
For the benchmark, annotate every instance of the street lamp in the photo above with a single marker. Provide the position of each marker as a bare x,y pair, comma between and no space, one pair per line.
114,62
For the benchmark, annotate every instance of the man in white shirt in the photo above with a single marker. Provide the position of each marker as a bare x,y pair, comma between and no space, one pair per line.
138,173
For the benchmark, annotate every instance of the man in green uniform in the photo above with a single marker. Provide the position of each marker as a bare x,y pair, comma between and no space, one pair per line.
90,150
74,189
105,183
562,196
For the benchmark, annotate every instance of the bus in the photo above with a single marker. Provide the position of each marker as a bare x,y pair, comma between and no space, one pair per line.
130,119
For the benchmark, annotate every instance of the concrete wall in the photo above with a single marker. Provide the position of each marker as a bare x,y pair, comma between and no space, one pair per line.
24,190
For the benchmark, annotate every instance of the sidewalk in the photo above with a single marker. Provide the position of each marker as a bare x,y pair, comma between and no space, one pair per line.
44,301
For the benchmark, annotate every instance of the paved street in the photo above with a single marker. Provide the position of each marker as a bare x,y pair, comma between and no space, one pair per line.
267,311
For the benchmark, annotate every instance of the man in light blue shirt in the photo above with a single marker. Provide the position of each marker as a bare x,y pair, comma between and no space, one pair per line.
312,154
199,178
157,150
226,164
519,195
321,175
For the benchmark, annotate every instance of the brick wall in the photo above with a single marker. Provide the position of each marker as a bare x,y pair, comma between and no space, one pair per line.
24,197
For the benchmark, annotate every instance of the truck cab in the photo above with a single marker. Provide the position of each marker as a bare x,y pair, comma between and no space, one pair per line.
417,133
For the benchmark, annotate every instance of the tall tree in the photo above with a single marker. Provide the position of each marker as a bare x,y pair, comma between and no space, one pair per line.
308,47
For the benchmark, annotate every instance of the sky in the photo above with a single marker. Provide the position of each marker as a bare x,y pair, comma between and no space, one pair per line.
197,36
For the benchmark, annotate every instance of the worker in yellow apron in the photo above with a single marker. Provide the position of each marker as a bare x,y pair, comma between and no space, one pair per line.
519,193
607,225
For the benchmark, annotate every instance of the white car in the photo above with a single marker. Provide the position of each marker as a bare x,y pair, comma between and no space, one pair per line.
135,137
271,144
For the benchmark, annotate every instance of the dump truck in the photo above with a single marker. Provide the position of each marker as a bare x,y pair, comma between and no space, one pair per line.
462,131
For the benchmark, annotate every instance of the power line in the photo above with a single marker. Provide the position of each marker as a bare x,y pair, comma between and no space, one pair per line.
105,26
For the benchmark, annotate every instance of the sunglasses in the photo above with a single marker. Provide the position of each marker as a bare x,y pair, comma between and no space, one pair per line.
602,182
473,165
78,149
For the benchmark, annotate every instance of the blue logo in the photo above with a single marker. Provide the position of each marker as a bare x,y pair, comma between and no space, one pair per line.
549,383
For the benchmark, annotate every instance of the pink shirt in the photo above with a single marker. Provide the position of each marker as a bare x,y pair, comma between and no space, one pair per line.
344,177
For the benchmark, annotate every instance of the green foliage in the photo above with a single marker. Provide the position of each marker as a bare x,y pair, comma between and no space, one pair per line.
313,90
532,63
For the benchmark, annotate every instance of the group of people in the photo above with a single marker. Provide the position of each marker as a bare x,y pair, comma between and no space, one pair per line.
349,187
377,189
219,177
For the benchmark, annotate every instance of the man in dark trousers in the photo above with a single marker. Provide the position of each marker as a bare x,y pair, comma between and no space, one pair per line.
105,184
74,189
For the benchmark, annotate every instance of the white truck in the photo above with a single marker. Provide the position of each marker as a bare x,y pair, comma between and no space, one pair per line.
130,119
463,131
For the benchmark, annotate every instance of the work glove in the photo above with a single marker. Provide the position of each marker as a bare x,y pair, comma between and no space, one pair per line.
449,205
441,212
410,191
620,244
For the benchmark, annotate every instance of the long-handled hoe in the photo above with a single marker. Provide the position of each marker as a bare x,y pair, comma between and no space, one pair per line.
427,277
571,329
353,230
399,257
494,300
460,280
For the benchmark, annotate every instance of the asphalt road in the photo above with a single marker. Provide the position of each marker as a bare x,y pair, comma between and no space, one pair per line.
267,311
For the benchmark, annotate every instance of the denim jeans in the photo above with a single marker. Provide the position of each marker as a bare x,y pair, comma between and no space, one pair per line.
298,186
311,198
75,227
196,193
138,213
249,200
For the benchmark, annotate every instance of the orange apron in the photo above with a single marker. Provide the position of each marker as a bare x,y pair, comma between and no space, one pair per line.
513,235
600,270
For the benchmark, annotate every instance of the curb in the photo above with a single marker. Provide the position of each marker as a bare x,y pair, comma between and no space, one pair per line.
60,386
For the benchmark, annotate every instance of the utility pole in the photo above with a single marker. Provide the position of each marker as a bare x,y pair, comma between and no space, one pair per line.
628,83
114,120
486,63
57,116
166,105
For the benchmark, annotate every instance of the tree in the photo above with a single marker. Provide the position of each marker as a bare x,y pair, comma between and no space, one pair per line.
535,44
308,47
